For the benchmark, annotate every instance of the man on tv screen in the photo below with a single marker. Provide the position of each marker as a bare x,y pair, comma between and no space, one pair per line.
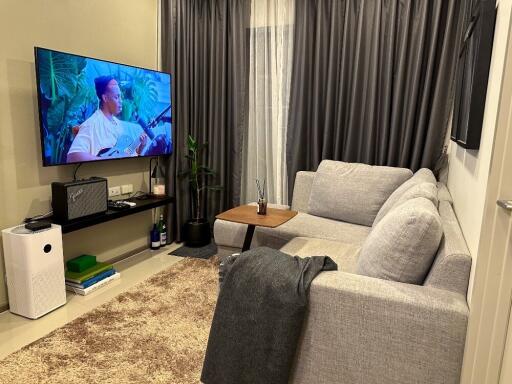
103,135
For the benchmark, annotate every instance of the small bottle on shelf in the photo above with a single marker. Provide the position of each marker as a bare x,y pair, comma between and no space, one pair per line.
162,229
155,237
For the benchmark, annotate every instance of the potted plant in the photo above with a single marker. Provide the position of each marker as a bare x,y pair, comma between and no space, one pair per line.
197,230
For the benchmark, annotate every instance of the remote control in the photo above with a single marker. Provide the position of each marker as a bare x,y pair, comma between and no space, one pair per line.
38,225
130,203
117,205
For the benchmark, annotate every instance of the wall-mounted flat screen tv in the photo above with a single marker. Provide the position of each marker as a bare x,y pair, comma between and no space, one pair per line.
92,110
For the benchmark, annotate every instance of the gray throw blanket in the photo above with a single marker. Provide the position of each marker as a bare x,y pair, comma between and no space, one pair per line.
258,318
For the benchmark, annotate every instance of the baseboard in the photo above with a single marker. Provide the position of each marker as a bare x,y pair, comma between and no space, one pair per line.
126,255
4,307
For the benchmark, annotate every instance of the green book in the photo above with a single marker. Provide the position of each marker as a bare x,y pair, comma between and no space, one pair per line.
81,263
79,277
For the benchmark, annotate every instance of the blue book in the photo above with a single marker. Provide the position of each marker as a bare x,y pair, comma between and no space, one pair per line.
93,280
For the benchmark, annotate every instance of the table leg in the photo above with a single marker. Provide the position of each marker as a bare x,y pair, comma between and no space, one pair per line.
248,237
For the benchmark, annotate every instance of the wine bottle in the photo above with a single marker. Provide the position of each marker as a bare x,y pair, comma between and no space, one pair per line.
162,229
155,237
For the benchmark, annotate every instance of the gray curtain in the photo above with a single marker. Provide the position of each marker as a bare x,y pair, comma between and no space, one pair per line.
204,47
371,81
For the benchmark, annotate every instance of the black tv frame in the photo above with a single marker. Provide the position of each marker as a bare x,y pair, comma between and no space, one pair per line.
106,61
473,73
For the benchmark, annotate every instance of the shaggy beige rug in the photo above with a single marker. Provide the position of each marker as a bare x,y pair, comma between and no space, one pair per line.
154,333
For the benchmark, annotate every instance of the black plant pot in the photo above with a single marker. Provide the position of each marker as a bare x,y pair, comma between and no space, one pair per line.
197,233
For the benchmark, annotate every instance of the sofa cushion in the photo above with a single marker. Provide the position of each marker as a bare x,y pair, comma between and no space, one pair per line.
402,246
424,175
353,192
344,254
306,225
229,234
426,190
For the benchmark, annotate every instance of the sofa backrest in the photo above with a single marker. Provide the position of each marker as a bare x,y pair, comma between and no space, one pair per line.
452,265
353,192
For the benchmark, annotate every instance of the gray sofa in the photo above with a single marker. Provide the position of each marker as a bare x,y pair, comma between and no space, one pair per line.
362,329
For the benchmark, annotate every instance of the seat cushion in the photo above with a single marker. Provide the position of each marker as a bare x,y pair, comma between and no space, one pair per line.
353,192
345,255
403,245
306,225
424,175
230,234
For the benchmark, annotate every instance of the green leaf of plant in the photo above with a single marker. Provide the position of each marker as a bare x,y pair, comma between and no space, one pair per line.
192,143
55,117
143,91
58,73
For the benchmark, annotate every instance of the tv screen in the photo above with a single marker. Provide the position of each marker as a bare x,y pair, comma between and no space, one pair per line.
92,110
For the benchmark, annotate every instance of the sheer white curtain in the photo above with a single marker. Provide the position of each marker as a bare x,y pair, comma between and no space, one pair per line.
271,48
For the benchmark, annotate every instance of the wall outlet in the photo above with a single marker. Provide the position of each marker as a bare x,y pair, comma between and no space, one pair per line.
127,188
114,191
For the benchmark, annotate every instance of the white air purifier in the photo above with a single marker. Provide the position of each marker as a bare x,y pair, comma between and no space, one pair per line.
34,265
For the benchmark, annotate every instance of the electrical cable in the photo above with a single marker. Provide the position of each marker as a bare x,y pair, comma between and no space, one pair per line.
76,169
135,194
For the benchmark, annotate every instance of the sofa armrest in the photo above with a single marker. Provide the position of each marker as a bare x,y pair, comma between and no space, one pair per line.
302,190
443,194
366,330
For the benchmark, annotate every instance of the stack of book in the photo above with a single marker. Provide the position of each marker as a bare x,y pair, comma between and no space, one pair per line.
85,275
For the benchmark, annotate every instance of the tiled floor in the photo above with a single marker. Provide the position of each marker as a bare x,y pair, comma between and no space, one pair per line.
17,331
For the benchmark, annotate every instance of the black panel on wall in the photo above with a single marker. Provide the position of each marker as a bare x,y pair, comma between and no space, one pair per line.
473,72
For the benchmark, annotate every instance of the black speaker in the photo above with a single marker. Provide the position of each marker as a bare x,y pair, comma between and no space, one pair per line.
76,199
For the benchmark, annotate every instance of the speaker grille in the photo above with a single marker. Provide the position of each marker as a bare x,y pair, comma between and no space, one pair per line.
86,199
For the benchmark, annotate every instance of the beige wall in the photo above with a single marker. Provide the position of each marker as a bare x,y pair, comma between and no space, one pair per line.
469,169
117,30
